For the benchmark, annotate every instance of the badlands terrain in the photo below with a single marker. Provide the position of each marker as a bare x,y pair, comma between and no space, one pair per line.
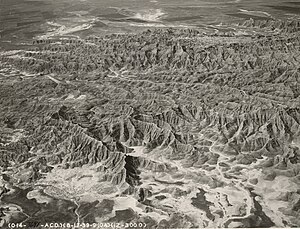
166,128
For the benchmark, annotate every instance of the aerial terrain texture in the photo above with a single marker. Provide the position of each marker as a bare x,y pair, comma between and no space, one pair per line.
168,127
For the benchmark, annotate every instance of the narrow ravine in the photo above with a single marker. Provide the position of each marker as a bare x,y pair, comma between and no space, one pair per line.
77,214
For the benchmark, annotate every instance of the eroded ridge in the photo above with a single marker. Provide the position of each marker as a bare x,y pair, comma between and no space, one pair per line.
174,128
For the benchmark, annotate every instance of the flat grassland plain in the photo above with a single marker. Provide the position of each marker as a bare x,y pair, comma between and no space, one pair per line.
155,114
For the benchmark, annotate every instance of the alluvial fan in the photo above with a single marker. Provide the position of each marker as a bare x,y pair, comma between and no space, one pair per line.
167,128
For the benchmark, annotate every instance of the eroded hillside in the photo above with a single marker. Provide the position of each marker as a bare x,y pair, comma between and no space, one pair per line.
174,128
